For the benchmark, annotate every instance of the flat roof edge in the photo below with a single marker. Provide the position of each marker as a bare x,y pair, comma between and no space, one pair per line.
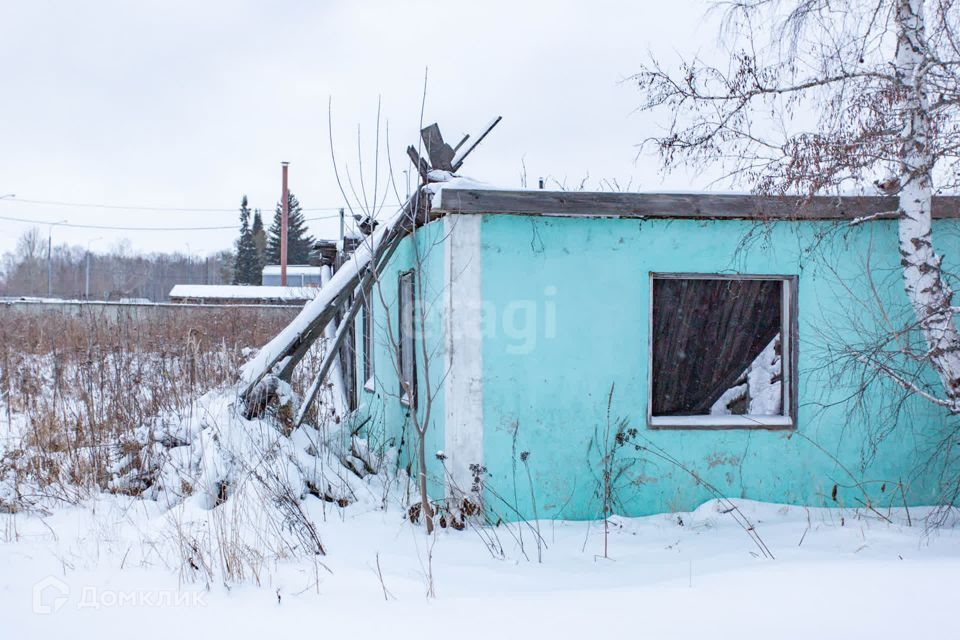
679,205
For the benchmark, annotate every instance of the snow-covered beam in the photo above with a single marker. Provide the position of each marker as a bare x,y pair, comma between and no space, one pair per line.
284,352
364,289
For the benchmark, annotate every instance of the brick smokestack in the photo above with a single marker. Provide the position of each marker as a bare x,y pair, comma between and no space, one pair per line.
284,212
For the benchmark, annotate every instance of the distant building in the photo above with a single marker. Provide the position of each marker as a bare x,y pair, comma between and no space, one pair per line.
331,252
298,275
241,294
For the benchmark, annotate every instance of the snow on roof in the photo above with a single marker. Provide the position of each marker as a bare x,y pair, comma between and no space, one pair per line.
447,180
242,292
292,270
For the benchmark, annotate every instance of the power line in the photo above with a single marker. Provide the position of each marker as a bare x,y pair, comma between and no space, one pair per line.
88,205
113,228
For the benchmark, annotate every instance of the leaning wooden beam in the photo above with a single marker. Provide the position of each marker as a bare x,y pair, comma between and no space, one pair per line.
333,347
282,354
318,328
333,350
460,144
422,167
680,205
315,331
458,159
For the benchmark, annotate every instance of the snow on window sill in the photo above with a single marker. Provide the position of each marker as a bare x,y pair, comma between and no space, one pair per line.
721,422
369,385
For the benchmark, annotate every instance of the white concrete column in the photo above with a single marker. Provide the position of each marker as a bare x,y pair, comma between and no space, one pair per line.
463,385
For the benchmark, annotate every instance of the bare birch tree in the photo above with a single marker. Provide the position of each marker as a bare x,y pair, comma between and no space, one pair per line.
824,96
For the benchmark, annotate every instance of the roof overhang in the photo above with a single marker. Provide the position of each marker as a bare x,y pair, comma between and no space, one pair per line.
679,205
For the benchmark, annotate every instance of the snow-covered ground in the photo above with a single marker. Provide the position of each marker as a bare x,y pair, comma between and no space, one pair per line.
219,544
105,568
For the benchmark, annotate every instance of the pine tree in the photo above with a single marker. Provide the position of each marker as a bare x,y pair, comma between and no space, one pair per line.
299,242
260,240
245,268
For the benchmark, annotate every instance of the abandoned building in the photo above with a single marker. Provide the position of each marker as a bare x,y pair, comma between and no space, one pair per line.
691,345
713,329
298,275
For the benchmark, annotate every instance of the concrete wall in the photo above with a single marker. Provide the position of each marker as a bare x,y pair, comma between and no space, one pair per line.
390,421
530,321
150,311
568,301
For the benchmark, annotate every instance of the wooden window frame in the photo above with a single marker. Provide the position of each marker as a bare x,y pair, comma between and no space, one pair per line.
789,338
404,400
368,383
348,359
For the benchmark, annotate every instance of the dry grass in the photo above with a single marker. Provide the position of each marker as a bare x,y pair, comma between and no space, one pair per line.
77,391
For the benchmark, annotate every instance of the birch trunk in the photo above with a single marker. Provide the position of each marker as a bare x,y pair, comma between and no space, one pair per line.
923,278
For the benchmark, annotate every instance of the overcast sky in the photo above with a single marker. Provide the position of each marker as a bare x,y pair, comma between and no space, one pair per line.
191,104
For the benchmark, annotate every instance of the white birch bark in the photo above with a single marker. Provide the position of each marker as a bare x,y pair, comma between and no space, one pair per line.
923,279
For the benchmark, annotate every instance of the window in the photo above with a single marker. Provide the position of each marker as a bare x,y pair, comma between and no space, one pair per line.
348,358
723,351
368,381
408,367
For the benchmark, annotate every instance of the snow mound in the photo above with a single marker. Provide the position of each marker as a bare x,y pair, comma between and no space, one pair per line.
216,455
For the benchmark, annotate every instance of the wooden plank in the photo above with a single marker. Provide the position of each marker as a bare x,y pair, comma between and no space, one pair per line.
439,152
678,205
422,167
333,349
413,217
415,214
315,330
462,154
460,144
293,351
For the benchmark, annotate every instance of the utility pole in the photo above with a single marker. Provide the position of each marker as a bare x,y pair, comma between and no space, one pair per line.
50,257
284,212
49,262
86,278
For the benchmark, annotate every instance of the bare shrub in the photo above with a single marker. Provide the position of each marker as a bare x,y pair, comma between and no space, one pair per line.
86,397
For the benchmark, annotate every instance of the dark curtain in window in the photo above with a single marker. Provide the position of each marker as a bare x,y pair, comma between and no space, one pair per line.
706,332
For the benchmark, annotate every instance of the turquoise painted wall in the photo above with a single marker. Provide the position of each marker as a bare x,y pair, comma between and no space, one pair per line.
583,285
390,422
565,315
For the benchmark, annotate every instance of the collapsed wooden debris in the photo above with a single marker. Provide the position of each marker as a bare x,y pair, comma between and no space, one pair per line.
352,282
